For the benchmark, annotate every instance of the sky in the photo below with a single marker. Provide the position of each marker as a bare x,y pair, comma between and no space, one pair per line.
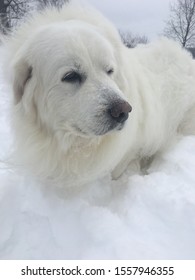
143,17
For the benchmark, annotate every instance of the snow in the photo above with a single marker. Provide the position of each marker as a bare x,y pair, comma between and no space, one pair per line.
137,217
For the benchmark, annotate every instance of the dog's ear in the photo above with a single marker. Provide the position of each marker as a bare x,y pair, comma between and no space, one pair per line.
22,74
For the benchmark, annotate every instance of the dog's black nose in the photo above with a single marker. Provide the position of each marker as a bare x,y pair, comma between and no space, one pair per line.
120,110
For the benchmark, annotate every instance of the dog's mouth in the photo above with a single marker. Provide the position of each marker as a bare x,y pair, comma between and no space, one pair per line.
99,130
110,128
78,131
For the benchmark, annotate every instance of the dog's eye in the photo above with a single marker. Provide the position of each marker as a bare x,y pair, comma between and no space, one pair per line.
110,71
72,77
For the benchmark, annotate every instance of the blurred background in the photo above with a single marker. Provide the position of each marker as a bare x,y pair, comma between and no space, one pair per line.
137,21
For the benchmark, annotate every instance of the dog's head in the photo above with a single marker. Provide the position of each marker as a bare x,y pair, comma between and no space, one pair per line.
68,77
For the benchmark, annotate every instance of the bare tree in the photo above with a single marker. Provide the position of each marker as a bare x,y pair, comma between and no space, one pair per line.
131,41
57,3
11,11
4,19
181,24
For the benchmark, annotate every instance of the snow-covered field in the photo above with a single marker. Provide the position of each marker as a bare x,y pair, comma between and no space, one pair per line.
136,217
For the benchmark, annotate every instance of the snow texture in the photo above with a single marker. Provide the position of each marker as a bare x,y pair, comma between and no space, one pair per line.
136,217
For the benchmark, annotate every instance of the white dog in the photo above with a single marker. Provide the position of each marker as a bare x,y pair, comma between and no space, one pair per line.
86,105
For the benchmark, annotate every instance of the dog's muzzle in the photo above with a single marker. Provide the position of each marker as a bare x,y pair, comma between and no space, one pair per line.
113,117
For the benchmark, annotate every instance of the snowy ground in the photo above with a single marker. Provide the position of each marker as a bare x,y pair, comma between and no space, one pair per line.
137,217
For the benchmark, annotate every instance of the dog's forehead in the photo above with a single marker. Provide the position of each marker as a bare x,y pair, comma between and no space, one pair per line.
71,40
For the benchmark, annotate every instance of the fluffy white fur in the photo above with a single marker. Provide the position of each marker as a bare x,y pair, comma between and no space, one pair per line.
60,128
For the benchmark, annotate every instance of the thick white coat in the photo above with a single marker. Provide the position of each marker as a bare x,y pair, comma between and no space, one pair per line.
158,80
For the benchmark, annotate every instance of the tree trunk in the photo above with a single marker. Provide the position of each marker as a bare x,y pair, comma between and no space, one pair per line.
5,22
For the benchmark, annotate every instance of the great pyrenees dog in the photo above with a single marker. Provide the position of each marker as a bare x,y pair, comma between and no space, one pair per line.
84,104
